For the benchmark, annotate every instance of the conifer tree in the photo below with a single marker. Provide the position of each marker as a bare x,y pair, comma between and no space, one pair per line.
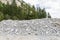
43,13
49,15
23,12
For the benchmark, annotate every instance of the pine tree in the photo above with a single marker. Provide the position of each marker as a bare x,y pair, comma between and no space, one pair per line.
49,15
23,12
43,13
39,12
1,6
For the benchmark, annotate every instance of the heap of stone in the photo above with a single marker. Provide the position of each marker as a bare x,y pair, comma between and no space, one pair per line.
37,27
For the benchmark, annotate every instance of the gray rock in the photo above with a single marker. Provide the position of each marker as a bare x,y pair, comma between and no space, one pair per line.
37,27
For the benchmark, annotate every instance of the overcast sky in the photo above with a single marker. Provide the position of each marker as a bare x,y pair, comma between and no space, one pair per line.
51,6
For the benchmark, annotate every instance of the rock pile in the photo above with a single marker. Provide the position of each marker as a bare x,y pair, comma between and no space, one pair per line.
37,27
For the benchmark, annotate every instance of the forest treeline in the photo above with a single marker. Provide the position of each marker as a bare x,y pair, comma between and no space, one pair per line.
22,12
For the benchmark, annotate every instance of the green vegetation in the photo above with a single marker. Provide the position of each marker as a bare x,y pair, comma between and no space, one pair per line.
22,12
49,15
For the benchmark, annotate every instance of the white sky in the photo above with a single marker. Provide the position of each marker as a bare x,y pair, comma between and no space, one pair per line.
51,6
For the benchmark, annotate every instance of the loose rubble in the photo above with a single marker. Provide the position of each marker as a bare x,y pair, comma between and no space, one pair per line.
36,27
